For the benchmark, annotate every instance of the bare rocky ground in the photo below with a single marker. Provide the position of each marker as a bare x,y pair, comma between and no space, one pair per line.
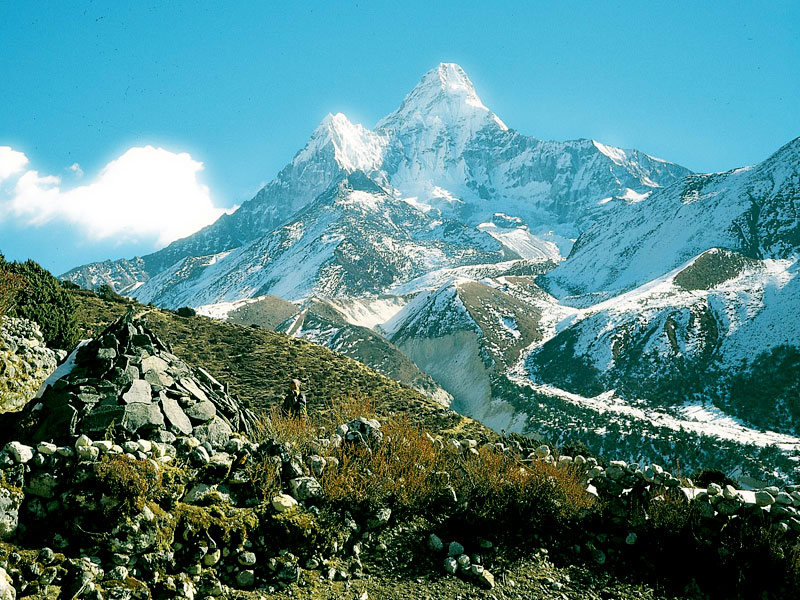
406,574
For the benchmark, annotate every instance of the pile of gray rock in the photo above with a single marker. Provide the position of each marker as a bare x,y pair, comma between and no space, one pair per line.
25,362
127,380
458,562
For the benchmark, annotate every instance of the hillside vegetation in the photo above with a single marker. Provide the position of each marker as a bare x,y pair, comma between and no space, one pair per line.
258,364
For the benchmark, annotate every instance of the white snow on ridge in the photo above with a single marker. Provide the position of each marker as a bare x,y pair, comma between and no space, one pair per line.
435,279
369,312
697,420
523,242
755,311
617,155
221,310
365,200
355,147
444,94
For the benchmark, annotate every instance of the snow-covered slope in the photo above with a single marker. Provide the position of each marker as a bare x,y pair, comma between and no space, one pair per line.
701,333
752,210
353,240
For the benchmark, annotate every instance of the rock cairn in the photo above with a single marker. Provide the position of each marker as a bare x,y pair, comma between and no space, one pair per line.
25,362
127,381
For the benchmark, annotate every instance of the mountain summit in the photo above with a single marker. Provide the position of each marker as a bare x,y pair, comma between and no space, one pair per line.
444,95
546,286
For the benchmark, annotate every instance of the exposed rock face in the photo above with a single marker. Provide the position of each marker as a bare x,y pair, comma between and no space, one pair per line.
25,362
127,380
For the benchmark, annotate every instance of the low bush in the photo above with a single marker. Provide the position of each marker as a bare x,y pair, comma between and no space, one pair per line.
500,496
10,285
186,311
490,492
41,298
128,480
106,292
403,472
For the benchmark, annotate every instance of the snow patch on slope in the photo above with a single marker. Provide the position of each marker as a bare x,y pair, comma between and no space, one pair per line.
523,242
368,312
691,418
437,278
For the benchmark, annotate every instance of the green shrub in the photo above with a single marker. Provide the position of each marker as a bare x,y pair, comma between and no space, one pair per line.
106,292
10,285
128,480
42,299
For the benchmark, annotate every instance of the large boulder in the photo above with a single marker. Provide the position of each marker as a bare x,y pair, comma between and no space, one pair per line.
7,591
10,501
25,362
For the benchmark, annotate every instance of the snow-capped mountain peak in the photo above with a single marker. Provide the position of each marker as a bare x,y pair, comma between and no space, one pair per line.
355,147
444,94
429,181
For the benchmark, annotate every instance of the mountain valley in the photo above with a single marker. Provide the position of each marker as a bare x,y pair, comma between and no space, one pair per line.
570,290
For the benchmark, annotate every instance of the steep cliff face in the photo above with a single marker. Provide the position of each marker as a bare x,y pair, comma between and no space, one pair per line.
25,362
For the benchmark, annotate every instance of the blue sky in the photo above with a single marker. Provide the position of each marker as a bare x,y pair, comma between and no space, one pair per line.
217,97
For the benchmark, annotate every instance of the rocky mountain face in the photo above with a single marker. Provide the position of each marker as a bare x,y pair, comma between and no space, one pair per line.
352,240
683,301
751,210
566,288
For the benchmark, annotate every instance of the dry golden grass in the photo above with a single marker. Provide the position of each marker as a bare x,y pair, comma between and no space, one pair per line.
400,472
413,475
132,481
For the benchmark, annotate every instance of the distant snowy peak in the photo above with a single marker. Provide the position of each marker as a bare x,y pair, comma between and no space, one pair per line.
444,95
632,161
354,146
441,165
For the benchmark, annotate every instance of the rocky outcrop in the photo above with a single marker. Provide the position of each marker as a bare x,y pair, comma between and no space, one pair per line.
127,381
25,362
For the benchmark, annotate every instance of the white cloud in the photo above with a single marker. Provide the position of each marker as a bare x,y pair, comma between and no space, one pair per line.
76,168
146,195
11,162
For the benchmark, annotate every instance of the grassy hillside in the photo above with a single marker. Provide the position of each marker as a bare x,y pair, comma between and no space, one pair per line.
257,364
